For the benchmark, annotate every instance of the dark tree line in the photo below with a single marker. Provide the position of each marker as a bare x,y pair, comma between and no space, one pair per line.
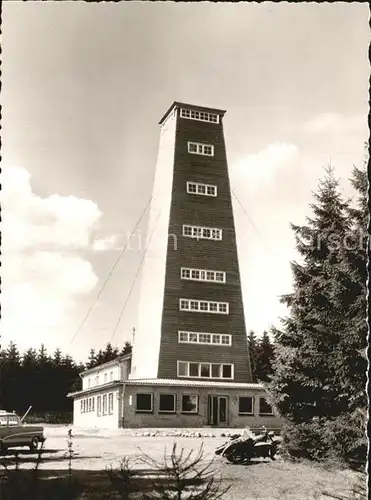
261,351
320,363
42,380
107,354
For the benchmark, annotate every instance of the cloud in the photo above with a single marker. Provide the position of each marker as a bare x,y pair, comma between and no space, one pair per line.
42,271
54,222
262,168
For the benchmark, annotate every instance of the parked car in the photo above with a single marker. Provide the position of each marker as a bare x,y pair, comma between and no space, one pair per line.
14,433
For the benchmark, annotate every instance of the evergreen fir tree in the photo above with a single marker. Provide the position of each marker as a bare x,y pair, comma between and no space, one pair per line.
253,353
309,386
264,359
127,349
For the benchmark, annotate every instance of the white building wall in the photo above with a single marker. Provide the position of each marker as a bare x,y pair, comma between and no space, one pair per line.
91,419
100,377
148,334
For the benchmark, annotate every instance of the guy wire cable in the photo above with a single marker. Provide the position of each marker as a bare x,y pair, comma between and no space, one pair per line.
135,278
109,274
252,223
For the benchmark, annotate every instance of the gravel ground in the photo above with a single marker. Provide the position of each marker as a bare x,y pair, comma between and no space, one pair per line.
263,479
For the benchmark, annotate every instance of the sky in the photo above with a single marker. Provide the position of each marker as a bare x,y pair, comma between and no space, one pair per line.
83,88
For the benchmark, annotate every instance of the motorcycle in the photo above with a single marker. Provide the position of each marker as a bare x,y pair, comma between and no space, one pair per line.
242,449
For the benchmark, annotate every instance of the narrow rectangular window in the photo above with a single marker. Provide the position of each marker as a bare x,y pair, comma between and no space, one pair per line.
203,306
202,116
200,232
204,370
110,403
200,149
203,275
99,406
104,404
201,189
204,338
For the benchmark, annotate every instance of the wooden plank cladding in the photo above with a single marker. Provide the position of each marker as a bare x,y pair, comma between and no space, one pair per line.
219,255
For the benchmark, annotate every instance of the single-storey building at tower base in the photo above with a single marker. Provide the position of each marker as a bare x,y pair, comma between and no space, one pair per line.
109,399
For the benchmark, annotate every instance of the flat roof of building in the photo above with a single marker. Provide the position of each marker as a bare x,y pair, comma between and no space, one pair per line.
177,104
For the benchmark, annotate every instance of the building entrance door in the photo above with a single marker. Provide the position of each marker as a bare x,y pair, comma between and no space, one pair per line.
218,410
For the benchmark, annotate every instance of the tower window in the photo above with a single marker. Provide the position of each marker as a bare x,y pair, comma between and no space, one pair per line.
204,306
197,148
205,370
202,116
202,189
202,275
204,338
202,233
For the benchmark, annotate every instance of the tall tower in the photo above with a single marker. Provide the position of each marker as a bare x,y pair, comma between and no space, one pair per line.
191,321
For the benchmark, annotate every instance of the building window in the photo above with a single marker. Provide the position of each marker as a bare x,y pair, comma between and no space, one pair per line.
196,148
82,406
111,376
89,404
189,273
97,380
92,404
202,189
206,306
110,403
104,404
167,403
99,406
202,116
189,403
246,405
105,378
264,407
205,370
202,233
144,403
204,338
89,382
